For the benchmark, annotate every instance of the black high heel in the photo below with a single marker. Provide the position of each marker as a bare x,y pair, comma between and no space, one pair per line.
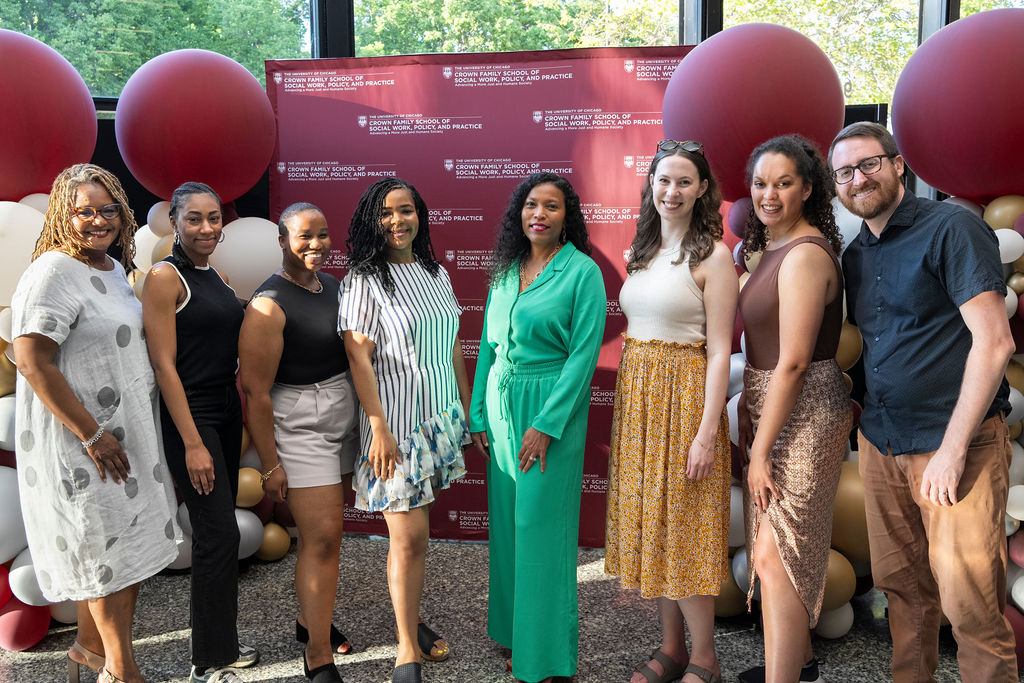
328,673
339,641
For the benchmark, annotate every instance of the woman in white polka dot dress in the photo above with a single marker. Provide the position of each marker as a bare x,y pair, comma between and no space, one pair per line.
95,492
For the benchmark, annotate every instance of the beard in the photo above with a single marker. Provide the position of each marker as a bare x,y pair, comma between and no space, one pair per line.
880,201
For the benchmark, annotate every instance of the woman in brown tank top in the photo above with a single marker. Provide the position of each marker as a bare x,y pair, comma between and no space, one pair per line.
795,410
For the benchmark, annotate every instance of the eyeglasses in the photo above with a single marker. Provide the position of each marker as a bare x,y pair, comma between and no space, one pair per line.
866,166
686,146
88,213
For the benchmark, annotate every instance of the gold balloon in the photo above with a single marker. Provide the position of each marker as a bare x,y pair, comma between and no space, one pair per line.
743,279
730,601
276,543
139,284
245,440
752,260
1016,282
1018,265
850,346
1015,430
1001,212
162,249
848,381
250,488
1015,375
840,581
849,521
134,276
8,373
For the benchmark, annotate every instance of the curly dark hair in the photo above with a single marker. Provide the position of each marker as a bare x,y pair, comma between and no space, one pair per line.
513,244
366,242
811,167
705,225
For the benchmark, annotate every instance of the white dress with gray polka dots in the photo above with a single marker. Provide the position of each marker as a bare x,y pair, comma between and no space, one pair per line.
91,538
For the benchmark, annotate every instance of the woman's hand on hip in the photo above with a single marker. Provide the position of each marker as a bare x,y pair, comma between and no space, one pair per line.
760,483
482,444
109,456
199,464
276,485
384,455
535,447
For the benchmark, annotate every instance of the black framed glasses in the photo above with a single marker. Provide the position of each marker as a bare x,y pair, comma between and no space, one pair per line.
88,213
686,145
866,166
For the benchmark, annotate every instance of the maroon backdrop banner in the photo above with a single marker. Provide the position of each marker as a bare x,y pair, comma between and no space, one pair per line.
465,129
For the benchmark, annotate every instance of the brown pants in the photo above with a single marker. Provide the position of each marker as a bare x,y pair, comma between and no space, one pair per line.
923,555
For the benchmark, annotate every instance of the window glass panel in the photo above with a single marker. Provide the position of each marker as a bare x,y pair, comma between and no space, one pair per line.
394,27
868,41
969,7
107,40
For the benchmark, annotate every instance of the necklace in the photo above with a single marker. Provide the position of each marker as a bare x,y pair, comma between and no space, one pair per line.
289,278
523,282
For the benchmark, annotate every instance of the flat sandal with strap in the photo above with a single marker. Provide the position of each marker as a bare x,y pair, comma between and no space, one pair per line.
671,668
702,673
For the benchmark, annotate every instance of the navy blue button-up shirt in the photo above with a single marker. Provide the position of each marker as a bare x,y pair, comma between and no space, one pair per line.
904,290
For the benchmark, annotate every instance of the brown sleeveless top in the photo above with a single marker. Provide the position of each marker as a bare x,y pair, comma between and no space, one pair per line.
759,306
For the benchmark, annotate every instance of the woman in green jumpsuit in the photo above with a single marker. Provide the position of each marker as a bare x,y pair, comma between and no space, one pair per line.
542,334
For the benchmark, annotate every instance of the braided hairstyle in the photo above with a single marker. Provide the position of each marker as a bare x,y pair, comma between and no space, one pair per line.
513,244
811,167
366,244
59,232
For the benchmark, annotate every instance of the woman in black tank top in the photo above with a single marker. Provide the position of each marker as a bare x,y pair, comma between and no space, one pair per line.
191,319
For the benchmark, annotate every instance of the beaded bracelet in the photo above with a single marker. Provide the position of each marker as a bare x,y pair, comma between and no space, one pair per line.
94,439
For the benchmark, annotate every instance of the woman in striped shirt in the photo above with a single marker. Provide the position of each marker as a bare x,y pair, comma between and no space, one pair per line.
400,321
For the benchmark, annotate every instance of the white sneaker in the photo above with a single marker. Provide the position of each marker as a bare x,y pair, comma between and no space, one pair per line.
247,656
222,674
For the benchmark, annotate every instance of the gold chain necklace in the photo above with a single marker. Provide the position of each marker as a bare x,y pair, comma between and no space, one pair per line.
523,283
289,278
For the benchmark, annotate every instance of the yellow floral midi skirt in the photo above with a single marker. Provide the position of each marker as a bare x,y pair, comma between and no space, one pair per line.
665,534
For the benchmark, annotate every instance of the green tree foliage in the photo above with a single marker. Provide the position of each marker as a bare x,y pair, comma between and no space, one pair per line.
392,27
107,40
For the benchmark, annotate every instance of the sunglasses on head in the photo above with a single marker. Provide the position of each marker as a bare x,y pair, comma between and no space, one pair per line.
687,146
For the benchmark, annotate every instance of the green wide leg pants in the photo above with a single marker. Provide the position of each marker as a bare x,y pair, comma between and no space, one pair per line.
534,525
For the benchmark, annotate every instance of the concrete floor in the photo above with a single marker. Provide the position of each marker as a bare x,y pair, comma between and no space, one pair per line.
618,629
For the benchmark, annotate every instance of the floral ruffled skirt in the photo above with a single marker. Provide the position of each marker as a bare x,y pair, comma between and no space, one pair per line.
431,460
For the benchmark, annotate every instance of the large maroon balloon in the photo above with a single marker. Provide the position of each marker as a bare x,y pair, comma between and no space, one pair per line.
21,625
745,85
957,110
48,120
195,115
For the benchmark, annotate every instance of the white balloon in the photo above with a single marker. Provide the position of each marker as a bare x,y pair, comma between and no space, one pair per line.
145,240
731,407
12,526
65,612
737,362
249,254
1013,572
9,352
743,343
736,535
183,520
835,623
1015,502
737,254
23,581
5,324
7,430
40,201
1017,591
1011,525
1016,407
184,558
1011,302
1016,464
967,204
848,223
739,570
1011,245
159,219
20,226
250,530
250,459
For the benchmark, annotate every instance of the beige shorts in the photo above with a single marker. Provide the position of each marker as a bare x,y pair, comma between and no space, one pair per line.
316,428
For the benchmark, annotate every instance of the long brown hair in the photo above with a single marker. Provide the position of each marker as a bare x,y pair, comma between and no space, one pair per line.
705,225
59,232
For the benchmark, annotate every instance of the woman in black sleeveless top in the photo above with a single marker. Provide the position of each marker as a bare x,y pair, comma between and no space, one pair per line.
302,417
191,318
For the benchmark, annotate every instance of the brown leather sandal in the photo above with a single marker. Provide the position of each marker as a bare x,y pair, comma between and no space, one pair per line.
702,673
672,672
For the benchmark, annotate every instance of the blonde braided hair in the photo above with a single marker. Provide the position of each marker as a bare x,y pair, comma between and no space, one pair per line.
59,232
